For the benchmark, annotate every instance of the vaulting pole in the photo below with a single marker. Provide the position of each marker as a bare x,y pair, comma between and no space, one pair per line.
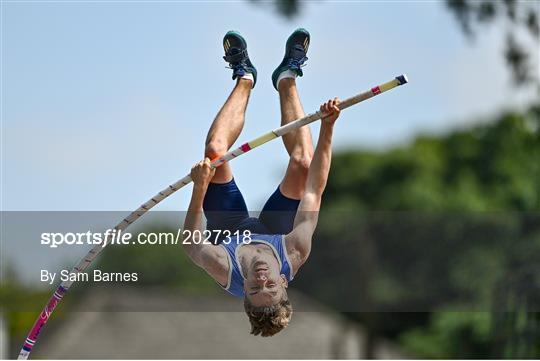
139,212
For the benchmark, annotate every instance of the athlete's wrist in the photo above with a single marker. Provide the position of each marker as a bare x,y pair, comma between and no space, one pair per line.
327,129
200,187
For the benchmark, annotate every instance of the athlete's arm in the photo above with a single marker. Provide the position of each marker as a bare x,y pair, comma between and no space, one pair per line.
299,240
207,256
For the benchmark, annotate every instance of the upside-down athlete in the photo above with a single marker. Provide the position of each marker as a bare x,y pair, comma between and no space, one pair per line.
280,241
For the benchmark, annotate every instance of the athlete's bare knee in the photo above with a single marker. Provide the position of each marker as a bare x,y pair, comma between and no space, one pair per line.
214,149
300,162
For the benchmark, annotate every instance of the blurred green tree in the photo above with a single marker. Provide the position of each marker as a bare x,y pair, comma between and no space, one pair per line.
445,224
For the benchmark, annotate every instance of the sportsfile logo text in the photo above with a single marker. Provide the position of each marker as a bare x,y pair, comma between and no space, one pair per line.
119,237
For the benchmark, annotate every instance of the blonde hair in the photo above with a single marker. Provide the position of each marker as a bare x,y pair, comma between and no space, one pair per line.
269,320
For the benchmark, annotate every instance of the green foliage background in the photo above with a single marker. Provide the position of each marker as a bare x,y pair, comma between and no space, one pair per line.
443,235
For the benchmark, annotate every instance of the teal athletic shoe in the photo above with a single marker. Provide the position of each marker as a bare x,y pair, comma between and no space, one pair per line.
236,55
295,54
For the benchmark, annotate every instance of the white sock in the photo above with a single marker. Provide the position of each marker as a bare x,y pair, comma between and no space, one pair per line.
248,76
286,74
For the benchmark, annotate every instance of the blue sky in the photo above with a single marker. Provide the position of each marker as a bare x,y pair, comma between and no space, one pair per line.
106,103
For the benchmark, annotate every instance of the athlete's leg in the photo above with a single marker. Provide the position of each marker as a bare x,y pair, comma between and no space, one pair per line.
279,211
227,127
230,120
224,205
299,143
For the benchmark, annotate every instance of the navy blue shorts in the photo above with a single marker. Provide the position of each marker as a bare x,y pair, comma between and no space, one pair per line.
225,209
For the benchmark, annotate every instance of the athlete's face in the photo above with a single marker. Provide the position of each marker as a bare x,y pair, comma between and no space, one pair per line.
264,285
